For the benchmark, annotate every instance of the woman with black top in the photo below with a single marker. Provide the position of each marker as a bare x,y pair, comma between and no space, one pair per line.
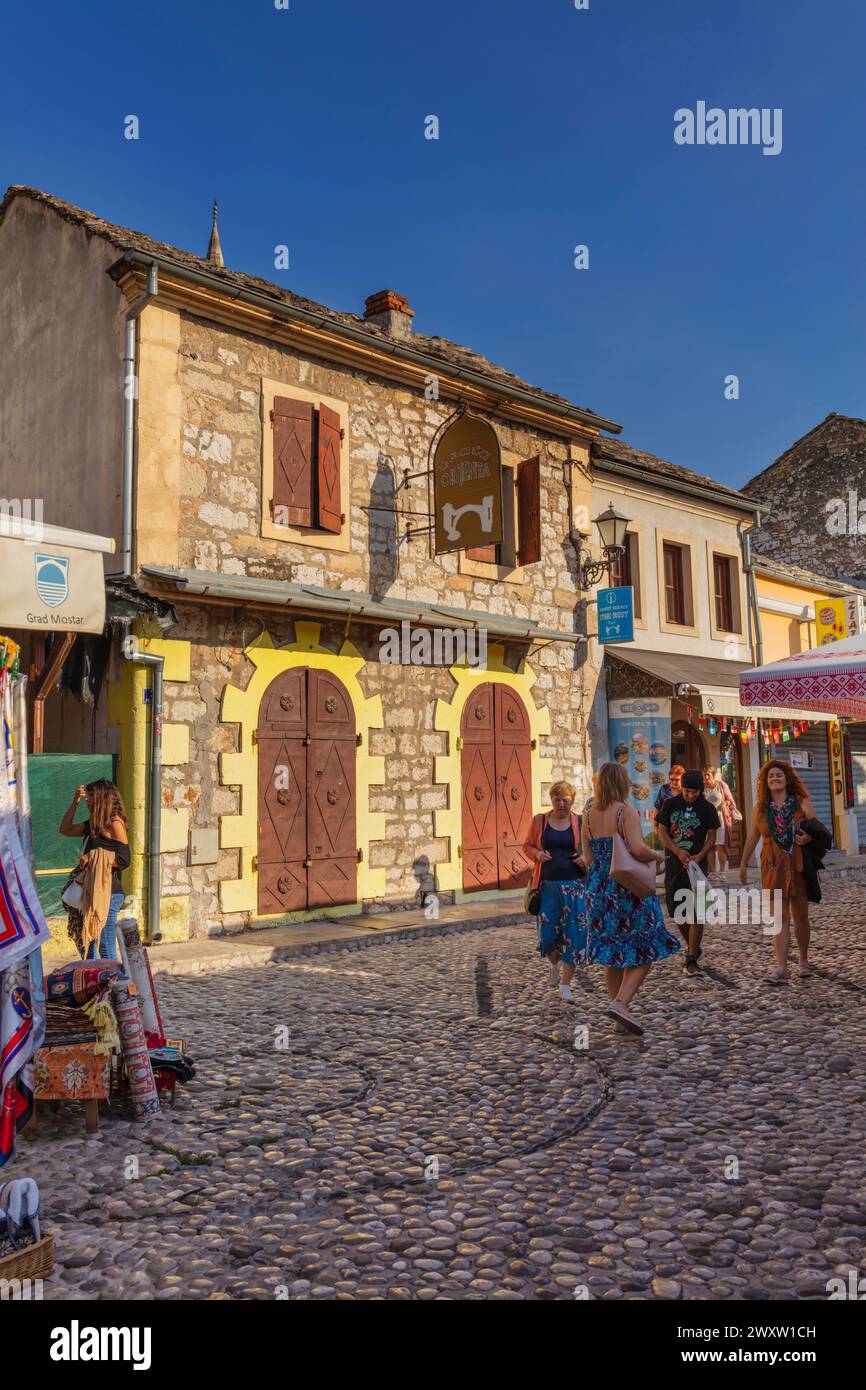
105,828
559,870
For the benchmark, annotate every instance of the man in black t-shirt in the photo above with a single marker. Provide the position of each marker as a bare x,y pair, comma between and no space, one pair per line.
686,826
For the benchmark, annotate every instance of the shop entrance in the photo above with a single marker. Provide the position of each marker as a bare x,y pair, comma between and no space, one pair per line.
731,771
496,789
687,746
307,845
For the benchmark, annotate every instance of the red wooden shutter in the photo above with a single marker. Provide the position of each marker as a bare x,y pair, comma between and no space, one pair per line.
529,511
293,461
330,511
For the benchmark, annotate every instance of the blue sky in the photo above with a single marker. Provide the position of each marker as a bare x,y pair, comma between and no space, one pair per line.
556,129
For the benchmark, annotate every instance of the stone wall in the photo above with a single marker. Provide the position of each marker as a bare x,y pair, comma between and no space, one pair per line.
806,495
220,376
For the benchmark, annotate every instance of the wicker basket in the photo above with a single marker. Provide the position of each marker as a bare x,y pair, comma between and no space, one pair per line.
33,1262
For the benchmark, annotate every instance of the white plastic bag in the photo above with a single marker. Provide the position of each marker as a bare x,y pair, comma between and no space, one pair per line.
709,900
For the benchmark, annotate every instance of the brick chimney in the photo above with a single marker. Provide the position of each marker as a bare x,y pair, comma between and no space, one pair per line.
390,312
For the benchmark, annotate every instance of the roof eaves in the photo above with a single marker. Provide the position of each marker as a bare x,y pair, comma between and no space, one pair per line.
693,486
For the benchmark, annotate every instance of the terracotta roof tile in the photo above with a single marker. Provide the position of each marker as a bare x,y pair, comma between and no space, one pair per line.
618,451
126,240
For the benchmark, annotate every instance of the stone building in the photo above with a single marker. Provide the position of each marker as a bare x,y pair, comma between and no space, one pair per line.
813,498
269,438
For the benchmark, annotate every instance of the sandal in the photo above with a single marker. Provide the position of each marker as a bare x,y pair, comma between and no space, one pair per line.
806,969
777,977
620,1014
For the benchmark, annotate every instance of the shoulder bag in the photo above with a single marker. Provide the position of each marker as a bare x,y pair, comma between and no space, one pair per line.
630,873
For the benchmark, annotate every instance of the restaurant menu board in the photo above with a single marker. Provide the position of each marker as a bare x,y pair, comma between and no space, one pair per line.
640,739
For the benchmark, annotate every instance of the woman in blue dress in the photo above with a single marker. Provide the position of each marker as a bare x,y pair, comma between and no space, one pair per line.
554,846
625,934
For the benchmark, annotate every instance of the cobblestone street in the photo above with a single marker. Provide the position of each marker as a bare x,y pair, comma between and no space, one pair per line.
431,1131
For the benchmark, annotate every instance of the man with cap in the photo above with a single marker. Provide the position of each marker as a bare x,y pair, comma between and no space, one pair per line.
686,826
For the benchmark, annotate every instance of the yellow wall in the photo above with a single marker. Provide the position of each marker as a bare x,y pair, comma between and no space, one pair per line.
783,635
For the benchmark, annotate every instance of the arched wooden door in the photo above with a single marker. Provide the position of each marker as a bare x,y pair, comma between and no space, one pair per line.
496,789
307,848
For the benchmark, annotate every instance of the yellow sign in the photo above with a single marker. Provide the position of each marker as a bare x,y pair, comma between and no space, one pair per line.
53,588
837,783
830,620
467,492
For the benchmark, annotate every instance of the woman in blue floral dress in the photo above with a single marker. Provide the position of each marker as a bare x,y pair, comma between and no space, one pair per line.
625,934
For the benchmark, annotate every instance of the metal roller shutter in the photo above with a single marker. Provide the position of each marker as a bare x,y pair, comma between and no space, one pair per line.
857,736
817,777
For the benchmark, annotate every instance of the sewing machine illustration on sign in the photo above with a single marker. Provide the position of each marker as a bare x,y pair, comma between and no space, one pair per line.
451,516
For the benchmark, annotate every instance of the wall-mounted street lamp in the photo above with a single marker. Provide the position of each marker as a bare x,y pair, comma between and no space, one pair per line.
612,526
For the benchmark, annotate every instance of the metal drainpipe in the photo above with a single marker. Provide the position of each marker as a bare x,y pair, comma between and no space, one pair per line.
129,398
749,568
154,884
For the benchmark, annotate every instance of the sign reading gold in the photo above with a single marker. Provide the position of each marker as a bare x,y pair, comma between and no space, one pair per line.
467,492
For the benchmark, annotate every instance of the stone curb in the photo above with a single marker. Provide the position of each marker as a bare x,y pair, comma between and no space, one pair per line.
244,957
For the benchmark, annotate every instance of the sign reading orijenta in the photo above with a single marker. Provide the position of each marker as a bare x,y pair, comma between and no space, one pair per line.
467,492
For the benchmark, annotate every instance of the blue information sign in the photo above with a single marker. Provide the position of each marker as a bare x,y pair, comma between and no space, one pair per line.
616,614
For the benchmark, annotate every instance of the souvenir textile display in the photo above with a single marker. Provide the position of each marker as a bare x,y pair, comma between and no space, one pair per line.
23,929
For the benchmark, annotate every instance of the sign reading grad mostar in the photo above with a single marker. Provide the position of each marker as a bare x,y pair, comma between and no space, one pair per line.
467,493
54,588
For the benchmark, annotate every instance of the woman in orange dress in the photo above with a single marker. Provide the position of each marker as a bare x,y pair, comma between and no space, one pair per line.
781,804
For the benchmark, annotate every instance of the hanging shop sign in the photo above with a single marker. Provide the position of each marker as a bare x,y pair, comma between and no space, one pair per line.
616,614
838,783
639,731
53,588
831,622
467,492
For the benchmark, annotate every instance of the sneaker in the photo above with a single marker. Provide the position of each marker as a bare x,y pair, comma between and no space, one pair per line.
692,968
566,994
553,973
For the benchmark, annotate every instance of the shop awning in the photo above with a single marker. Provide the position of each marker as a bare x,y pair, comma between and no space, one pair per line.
831,679
709,683
51,578
345,603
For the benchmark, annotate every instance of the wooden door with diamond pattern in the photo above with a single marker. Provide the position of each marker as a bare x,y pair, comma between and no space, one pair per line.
307,850
496,789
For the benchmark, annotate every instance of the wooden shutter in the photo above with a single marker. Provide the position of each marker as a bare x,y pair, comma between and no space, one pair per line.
529,511
490,554
330,509
293,461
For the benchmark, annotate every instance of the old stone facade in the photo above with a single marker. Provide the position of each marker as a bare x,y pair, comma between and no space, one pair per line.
814,501
221,508
421,749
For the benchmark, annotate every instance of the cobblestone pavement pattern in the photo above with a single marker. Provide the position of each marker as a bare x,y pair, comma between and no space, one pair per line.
721,1156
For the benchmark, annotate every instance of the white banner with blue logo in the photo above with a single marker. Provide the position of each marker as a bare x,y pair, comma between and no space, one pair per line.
639,731
52,588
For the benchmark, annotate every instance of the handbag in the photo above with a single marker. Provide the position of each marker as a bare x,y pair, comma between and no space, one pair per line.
637,877
532,896
73,894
